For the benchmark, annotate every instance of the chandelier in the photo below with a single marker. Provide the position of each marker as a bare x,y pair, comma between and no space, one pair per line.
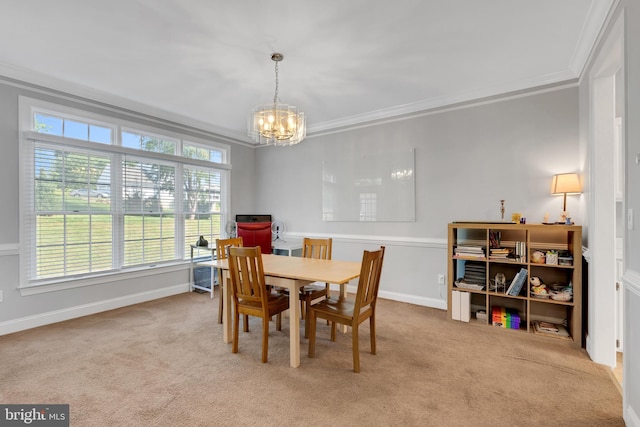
277,124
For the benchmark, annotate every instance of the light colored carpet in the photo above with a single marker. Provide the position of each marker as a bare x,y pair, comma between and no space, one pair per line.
163,363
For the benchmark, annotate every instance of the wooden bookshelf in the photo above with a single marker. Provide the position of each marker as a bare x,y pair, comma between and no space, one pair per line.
563,240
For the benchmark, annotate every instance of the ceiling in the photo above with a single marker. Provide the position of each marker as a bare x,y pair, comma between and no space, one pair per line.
206,63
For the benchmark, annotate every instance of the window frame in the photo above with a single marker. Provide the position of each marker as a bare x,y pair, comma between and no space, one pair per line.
29,138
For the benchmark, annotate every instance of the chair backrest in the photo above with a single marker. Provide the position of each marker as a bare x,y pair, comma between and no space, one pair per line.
255,234
369,282
221,246
316,248
247,275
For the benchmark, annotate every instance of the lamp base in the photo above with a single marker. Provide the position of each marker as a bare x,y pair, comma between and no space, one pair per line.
564,218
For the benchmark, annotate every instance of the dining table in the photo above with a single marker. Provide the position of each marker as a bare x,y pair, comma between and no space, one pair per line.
292,273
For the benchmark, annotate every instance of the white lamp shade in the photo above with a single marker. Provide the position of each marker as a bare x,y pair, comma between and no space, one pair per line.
566,183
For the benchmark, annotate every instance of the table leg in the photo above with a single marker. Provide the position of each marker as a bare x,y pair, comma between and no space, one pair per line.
294,325
191,273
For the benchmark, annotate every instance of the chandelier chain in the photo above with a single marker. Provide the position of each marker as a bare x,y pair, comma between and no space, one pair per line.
275,96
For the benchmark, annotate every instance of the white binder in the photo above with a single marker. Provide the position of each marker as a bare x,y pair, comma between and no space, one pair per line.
460,306
465,306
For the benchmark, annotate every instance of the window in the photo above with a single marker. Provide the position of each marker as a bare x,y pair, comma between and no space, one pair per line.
149,211
201,203
197,151
102,196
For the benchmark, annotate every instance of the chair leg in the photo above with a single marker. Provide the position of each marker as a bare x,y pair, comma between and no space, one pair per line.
356,350
372,329
328,290
333,331
307,305
265,339
236,328
246,323
220,303
279,322
312,333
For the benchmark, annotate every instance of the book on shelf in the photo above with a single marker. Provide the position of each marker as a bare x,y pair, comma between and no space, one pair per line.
550,329
513,281
547,326
475,272
494,239
469,251
499,250
516,284
471,248
499,253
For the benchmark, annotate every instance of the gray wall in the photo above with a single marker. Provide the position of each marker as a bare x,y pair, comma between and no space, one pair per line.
467,159
632,41
632,200
18,311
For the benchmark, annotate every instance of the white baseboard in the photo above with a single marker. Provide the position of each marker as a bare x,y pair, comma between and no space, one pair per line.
28,322
411,299
631,418
631,281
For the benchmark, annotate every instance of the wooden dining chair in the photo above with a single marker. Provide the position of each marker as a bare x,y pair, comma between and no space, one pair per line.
221,253
352,312
250,294
319,249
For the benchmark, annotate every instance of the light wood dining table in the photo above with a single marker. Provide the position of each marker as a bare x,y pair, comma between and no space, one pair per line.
291,273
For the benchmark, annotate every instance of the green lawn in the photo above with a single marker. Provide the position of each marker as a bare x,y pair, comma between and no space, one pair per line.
87,238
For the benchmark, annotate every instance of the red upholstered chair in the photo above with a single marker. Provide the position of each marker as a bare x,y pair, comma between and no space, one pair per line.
255,234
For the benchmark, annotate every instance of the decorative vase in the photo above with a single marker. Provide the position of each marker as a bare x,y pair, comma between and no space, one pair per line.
202,242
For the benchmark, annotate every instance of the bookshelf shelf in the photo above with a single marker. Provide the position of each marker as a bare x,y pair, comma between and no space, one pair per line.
503,295
521,240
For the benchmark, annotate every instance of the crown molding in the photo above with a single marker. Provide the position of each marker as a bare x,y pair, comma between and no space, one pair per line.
39,82
599,13
42,83
524,87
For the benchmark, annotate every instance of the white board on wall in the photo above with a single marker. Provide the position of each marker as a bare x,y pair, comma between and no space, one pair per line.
370,187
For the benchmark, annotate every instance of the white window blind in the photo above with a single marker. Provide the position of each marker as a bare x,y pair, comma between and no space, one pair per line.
72,226
149,211
201,203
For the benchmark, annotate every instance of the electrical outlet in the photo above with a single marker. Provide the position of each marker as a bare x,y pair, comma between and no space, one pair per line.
1,296
630,219
441,279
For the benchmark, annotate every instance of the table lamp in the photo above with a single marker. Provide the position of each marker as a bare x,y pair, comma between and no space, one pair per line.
565,183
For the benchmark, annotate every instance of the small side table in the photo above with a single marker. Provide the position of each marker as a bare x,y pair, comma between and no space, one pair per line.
280,247
197,249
